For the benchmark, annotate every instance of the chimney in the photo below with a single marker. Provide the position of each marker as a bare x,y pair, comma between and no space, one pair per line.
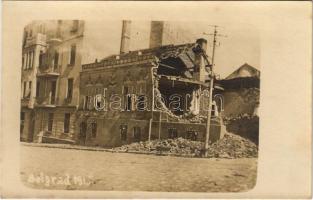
125,38
156,34
202,44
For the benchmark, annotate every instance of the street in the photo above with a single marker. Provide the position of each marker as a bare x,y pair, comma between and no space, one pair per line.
53,168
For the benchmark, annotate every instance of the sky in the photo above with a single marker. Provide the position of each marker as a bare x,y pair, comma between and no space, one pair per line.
241,44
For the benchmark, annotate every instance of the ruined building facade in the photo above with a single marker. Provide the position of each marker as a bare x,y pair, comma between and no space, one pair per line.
132,97
158,92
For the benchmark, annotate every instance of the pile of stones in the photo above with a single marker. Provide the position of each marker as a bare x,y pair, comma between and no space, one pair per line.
231,146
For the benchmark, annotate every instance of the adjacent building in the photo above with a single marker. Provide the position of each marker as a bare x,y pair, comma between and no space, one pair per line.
50,78
241,98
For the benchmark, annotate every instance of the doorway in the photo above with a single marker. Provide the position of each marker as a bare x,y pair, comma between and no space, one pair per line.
82,133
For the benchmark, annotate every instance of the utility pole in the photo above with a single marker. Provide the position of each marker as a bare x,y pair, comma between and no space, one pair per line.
208,123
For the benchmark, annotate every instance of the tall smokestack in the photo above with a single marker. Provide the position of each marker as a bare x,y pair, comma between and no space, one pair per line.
125,38
156,34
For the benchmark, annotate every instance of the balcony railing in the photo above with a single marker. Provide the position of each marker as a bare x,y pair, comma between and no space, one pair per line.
39,39
48,72
46,101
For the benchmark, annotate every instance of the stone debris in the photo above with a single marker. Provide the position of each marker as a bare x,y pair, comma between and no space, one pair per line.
231,146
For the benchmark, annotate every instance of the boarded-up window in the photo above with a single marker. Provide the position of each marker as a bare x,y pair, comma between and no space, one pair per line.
50,121
67,117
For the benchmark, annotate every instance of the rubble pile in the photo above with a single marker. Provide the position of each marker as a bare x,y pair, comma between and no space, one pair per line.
231,146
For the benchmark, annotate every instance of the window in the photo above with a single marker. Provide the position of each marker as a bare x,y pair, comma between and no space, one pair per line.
23,60
41,59
72,55
141,103
123,129
128,99
50,121
27,61
29,89
137,134
24,89
75,26
93,129
37,88
192,135
69,88
56,60
86,99
31,54
67,122
22,122
172,133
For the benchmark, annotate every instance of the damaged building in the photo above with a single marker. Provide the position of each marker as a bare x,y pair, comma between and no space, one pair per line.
153,93
158,92
241,97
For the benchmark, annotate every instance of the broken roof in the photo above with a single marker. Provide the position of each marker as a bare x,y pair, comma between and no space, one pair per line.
183,52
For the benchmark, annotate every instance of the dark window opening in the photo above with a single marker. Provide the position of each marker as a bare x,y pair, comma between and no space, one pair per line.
73,55
192,135
52,92
69,88
141,103
38,89
172,133
50,121
123,129
32,59
128,99
29,89
93,129
56,60
67,122
86,102
75,26
137,134
24,90
41,59
128,102
22,118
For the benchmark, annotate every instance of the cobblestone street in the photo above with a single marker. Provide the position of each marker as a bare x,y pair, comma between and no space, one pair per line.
54,168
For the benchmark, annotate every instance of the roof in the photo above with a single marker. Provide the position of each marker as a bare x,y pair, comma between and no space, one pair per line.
245,70
184,52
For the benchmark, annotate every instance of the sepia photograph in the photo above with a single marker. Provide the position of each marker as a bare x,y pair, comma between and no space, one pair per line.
139,105
156,100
